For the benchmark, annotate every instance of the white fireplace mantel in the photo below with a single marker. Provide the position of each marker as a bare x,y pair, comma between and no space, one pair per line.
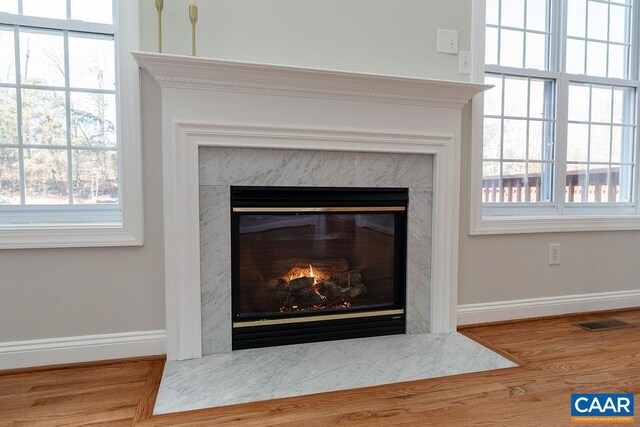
217,103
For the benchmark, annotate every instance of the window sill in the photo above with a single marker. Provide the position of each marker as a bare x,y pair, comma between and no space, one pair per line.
68,236
553,224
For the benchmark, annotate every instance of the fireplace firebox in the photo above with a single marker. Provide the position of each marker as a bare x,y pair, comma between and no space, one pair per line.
317,264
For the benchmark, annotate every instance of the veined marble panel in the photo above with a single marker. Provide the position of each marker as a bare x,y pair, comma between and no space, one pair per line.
251,166
277,372
394,170
215,268
224,167
418,307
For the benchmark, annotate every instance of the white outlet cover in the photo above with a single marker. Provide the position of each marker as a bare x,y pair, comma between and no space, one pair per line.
464,62
447,41
555,254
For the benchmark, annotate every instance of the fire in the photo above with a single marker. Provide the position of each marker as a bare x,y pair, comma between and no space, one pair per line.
315,283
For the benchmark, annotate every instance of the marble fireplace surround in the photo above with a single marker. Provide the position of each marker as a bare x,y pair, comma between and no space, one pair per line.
223,167
211,107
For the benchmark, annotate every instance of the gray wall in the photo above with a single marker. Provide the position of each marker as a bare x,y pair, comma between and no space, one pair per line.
69,292
374,36
50,293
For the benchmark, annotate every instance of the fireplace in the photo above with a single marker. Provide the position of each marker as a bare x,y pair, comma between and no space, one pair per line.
316,264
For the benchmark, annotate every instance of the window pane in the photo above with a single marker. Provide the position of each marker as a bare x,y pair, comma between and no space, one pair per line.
491,46
623,105
577,142
92,63
8,56
537,15
598,177
536,141
575,56
616,144
100,11
538,90
601,104
93,119
618,24
597,59
493,97
515,97
579,102
45,8
491,182
539,182
95,177
577,23
511,48
512,13
493,11
43,117
8,116
536,51
46,176
513,182
618,61
515,139
9,6
576,183
42,58
9,177
597,25
600,143
626,180
491,140
627,145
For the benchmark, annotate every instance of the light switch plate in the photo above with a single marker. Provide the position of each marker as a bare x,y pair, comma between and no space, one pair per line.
447,41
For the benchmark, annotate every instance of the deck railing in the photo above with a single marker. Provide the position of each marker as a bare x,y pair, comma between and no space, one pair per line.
604,186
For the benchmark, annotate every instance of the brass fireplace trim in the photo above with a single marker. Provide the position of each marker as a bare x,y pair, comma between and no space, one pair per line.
324,209
317,318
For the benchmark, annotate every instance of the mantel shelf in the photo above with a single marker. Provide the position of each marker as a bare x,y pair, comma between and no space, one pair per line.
176,71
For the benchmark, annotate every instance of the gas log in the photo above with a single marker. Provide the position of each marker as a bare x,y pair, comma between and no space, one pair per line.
309,283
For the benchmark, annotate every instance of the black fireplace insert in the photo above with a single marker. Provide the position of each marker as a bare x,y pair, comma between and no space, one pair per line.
317,264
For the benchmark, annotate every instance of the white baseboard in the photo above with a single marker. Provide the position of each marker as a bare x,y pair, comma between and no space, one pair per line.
57,351
469,314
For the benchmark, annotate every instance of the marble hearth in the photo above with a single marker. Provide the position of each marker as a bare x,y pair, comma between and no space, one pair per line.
296,370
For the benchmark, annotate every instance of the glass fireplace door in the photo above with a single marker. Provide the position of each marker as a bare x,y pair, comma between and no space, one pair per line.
317,255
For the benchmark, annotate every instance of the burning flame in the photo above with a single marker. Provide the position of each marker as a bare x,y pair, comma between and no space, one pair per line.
315,283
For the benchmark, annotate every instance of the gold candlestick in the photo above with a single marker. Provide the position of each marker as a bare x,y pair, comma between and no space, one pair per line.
159,7
193,17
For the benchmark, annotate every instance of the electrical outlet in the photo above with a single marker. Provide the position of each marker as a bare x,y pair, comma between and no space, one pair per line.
464,62
448,41
555,254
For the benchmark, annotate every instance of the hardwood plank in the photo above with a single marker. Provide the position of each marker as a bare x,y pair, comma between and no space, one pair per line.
555,357
147,401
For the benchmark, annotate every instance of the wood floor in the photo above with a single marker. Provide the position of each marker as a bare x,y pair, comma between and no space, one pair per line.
556,359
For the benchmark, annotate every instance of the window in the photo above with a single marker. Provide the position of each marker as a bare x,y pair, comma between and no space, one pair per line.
65,143
560,130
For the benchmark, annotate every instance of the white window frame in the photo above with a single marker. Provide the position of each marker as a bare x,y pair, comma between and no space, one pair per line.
544,218
57,229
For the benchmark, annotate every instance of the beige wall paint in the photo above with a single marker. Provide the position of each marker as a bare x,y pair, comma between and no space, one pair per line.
52,293
374,36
